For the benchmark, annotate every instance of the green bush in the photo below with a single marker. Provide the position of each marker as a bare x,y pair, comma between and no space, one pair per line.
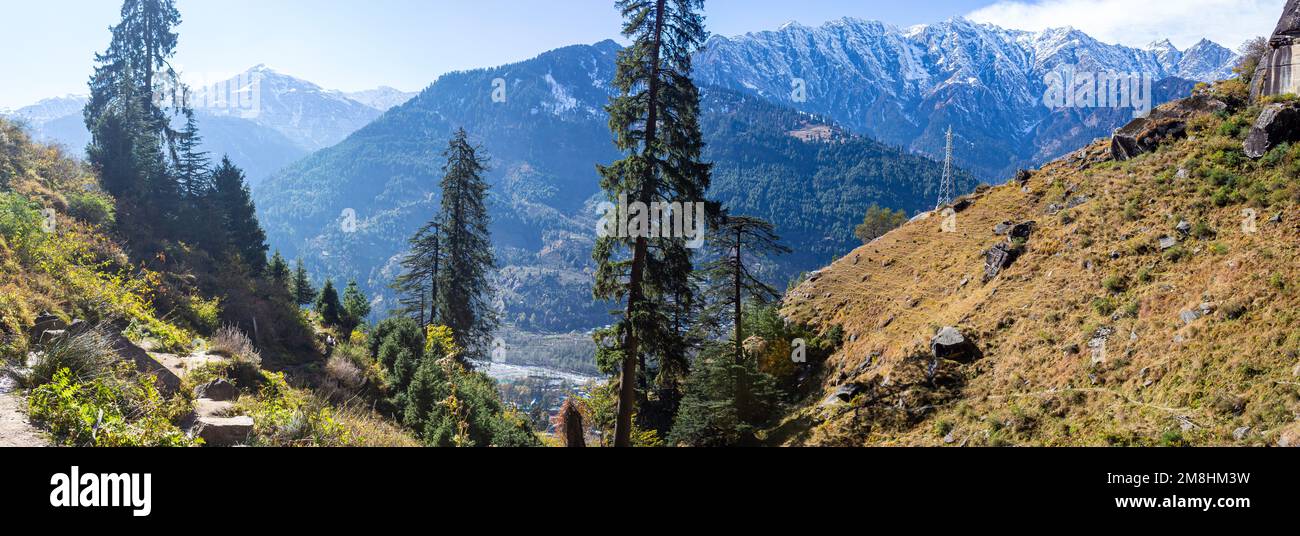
726,402
109,411
92,208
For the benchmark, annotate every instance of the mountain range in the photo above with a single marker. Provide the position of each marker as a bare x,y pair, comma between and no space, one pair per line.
875,101
293,118
545,137
907,86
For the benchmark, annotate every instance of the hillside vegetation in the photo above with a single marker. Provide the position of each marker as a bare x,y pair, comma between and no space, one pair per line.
1156,302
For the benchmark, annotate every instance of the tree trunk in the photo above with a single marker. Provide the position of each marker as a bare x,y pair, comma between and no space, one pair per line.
740,352
627,378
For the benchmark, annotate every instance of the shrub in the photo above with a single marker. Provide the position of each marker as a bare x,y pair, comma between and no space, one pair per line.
726,402
108,411
86,356
287,417
94,209
1116,283
232,343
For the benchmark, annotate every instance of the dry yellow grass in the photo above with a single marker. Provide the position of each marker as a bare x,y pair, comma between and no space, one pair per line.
1161,381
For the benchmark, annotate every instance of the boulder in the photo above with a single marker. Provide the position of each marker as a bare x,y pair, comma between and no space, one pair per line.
1168,242
1277,124
844,395
997,259
1166,122
220,390
46,322
1189,316
952,345
1021,231
224,431
168,382
1274,74
1023,176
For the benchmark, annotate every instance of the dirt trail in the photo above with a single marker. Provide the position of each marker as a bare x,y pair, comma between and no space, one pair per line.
15,431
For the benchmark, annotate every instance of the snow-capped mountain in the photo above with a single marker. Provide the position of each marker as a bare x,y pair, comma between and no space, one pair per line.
55,120
383,98
312,117
287,119
906,86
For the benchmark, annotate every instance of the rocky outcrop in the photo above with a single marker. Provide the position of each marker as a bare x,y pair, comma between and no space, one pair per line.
1277,124
1275,74
1168,122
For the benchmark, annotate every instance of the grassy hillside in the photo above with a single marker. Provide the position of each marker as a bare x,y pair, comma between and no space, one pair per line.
1098,334
59,258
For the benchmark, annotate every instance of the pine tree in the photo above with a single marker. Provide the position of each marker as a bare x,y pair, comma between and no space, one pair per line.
303,292
355,308
417,287
327,305
730,279
193,164
137,63
463,291
234,203
131,138
278,270
655,122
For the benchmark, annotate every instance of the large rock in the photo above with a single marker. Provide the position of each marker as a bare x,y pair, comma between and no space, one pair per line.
996,259
951,344
1277,124
46,322
220,390
168,382
224,431
1275,74
1165,123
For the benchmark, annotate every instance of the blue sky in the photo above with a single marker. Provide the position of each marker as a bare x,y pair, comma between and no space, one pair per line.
359,44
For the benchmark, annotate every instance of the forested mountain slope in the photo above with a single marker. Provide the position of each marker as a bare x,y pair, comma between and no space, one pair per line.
545,135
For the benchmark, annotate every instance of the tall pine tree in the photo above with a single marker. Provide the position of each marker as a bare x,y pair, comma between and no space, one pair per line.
732,279
131,136
463,301
655,122
232,201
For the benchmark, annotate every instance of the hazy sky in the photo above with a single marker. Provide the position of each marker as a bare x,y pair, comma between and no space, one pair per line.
360,44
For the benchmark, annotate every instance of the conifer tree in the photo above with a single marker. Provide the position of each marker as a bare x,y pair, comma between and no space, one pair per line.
131,137
731,277
417,287
328,306
655,122
232,200
463,301
355,308
278,270
193,164
303,292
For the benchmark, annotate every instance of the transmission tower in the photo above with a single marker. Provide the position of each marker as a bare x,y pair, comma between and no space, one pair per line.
947,188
